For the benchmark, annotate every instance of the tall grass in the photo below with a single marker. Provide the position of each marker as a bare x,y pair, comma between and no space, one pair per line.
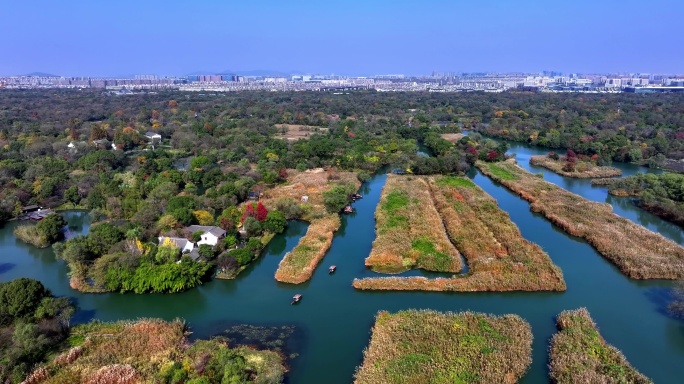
638,252
145,351
410,233
298,265
578,354
432,347
499,258
583,169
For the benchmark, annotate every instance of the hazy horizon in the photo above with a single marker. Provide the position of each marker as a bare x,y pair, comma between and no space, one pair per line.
82,38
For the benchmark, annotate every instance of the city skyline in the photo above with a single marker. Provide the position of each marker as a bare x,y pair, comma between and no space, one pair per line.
172,38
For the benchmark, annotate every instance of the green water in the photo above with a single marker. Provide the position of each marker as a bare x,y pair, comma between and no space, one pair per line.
333,320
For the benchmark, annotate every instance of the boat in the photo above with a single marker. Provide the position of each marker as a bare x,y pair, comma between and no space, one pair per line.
296,298
348,209
332,269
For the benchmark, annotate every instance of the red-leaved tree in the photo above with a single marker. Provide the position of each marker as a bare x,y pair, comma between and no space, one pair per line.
261,212
249,212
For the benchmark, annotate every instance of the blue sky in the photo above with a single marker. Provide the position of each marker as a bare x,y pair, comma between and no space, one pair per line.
356,37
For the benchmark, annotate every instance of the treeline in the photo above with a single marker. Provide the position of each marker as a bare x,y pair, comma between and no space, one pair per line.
662,194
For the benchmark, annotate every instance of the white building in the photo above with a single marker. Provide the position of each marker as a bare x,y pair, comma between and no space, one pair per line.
210,234
184,245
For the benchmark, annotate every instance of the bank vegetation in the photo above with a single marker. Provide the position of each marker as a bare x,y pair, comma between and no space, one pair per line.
409,231
315,196
432,347
638,252
154,351
580,355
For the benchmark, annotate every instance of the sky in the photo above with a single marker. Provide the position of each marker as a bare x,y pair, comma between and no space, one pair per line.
351,37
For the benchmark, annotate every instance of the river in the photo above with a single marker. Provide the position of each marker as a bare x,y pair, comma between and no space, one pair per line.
333,320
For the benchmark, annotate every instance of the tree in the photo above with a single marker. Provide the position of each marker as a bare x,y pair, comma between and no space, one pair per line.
242,255
261,212
252,226
50,228
20,298
275,222
206,251
203,217
337,197
249,212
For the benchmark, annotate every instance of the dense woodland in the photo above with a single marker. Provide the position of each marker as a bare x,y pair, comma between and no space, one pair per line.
661,194
219,150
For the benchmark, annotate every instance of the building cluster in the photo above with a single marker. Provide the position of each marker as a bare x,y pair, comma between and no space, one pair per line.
436,82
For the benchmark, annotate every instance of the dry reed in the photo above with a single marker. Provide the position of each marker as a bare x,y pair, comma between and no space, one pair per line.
410,232
298,265
638,252
432,347
582,169
578,354
500,259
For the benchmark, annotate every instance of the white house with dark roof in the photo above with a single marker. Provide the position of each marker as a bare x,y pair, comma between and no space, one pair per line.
210,234
153,136
184,245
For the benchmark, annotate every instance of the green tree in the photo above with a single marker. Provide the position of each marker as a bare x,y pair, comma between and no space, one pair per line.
206,251
20,298
337,197
252,226
50,228
275,222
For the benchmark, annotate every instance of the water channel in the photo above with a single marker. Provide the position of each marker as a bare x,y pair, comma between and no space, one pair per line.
333,320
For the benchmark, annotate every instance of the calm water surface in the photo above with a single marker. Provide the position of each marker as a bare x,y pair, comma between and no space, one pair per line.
333,320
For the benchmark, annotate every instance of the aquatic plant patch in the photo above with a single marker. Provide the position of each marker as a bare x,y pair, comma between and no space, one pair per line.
410,233
578,354
577,169
638,252
432,347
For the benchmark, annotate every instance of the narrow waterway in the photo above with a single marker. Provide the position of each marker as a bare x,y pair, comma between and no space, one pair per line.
333,320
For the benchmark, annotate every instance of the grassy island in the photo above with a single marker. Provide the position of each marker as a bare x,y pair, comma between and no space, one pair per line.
410,233
581,169
432,347
580,355
499,258
305,191
638,252
662,195
149,350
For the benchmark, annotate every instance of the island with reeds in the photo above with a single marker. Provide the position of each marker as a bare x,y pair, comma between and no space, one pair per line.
319,195
578,354
638,252
572,165
432,347
410,233
498,257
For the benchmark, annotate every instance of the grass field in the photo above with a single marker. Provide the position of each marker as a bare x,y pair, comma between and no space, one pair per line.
578,354
410,233
498,256
638,252
583,169
432,347
298,265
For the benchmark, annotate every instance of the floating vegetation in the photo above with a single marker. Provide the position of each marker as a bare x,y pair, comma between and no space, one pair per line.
638,252
433,347
579,354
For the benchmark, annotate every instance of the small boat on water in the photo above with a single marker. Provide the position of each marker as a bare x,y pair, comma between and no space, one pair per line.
332,269
356,196
296,298
348,209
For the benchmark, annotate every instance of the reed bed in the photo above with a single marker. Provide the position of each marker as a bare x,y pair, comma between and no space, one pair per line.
638,252
500,259
142,352
578,354
432,347
298,265
410,232
583,169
